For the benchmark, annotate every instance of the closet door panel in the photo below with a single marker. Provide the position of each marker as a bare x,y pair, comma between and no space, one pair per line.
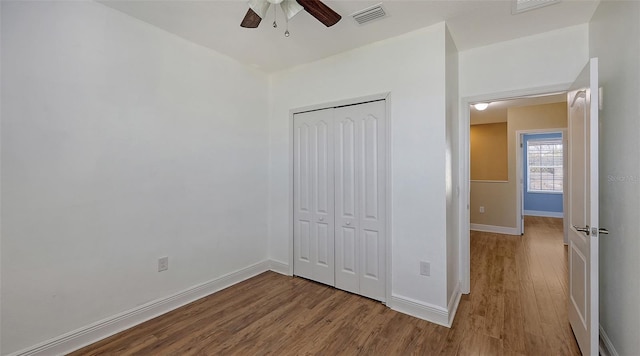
371,243
367,141
347,242
314,196
372,187
303,265
323,198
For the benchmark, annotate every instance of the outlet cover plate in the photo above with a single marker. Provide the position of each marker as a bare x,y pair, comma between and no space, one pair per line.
425,268
163,264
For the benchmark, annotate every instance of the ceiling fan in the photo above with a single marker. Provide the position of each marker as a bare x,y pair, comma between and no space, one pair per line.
258,10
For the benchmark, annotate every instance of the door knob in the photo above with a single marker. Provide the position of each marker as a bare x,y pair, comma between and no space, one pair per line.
322,218
348,222
582,229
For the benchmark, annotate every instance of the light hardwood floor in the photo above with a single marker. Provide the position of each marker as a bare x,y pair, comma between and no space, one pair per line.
517,306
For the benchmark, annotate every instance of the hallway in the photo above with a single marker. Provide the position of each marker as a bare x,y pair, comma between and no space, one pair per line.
519,290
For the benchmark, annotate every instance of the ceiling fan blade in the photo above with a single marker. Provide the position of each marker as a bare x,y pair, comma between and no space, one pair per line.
321,12
250,20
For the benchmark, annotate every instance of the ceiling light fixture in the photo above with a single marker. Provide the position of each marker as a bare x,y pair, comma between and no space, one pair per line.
289,7
481,106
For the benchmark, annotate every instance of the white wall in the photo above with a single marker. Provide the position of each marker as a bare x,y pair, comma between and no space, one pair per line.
411,67
542,60
120,144
614,38
0,182
452,164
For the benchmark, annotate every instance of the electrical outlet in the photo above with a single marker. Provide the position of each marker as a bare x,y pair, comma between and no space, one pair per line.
425,268
163,264
482,210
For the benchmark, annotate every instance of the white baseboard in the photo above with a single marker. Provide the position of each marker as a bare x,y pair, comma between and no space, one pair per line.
279,267
454,301
104,328
495,229
544,214
606,347
91,333
431,313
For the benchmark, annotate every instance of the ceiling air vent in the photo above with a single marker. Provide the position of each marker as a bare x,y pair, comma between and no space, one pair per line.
519,6
369,14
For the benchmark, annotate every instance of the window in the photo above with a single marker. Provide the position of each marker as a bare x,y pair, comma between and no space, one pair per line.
544,166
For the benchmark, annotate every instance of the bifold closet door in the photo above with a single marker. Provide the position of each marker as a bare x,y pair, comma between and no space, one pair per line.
360,182
314,196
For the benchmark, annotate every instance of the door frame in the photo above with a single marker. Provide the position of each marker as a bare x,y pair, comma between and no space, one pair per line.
520,172
388,194
464,166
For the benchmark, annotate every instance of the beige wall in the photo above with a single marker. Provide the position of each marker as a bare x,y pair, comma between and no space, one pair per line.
499,199
489,151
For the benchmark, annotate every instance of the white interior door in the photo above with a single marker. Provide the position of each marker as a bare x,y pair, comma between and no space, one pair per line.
523,154
583,208
313,196
360,174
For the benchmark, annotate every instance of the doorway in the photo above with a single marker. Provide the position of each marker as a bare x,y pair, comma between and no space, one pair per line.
522,267
497,186
542,174
465,184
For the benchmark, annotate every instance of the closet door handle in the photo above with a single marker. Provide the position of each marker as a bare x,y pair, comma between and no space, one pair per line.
322,218
348,223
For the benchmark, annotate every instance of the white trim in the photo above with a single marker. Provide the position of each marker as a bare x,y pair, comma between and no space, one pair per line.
606,346
291,190
464,197
594,208
353,101
546,214
495,229
463,166
429,312
544,192
454,302
109,326
279,267
519,181
388,198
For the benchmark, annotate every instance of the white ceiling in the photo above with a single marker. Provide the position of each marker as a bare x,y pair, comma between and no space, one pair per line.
216,24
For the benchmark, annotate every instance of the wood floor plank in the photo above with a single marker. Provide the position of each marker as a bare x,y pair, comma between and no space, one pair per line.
517,306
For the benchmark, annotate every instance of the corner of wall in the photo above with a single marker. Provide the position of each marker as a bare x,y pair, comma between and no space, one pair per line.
425,311
452,104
